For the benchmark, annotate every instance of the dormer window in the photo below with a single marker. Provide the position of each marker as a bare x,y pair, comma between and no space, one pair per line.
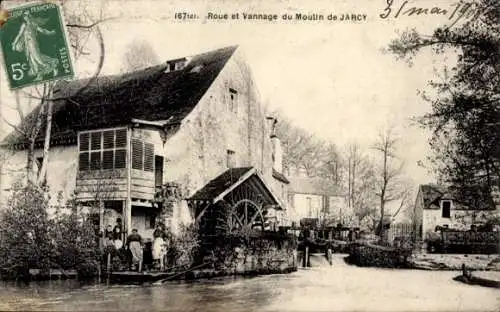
177,64
446,208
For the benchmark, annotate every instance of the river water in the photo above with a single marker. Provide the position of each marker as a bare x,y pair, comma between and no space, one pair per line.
336,288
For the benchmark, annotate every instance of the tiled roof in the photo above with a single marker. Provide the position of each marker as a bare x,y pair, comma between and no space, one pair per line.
150,94
230,180
432,195
220,183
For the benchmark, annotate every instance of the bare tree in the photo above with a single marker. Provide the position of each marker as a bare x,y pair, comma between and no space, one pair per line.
353,162
389,173
361,182
303,152
331,166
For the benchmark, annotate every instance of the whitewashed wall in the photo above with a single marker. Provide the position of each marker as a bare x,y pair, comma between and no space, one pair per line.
61,171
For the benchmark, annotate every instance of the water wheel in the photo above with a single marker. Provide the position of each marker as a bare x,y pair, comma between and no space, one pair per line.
246,210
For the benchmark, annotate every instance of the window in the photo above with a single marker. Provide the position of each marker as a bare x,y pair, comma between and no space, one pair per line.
143,155
158,171
102,150
179,65
446,208
233,100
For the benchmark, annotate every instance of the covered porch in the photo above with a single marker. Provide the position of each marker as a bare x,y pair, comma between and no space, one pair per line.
236,200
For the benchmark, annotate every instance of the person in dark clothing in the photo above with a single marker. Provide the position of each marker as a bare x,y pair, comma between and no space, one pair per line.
108,236
117,230
108,233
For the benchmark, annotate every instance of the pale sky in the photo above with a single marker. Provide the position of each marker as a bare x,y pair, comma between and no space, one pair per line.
330,78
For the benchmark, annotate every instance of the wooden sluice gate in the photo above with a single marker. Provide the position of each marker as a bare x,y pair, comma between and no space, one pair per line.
321,241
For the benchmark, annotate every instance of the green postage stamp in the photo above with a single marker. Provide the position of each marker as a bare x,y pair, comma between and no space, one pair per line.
34,45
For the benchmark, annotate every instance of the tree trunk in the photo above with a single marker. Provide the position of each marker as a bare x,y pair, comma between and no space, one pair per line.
42,176
349,183
381,222
384,188
32,140
353,188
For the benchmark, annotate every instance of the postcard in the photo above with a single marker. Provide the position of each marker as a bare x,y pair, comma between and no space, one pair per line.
278,155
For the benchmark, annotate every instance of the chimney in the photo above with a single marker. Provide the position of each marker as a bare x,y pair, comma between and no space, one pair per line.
277,151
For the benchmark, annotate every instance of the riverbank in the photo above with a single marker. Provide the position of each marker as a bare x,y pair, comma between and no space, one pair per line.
372,255
424,261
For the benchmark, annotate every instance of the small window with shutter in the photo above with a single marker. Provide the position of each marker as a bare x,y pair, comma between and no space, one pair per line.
149,157
143,155
137,154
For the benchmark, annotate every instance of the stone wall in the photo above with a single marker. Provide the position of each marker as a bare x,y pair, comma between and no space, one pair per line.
262,256
459,219
197,152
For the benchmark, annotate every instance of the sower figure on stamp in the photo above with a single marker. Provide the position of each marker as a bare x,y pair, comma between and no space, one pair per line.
26,41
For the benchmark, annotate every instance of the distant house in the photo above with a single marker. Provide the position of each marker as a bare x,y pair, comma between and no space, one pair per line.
316,198
163,143
437,206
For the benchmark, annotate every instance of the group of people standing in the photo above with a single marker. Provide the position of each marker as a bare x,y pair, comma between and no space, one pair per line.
133,249
113,235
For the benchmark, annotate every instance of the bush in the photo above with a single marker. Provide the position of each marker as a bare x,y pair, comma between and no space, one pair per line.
30,238
183,246
24,231
367,254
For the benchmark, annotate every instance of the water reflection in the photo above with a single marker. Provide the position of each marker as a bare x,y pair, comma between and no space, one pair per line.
322,289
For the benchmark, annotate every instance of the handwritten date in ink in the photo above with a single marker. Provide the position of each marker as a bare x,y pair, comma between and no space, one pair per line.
454,12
